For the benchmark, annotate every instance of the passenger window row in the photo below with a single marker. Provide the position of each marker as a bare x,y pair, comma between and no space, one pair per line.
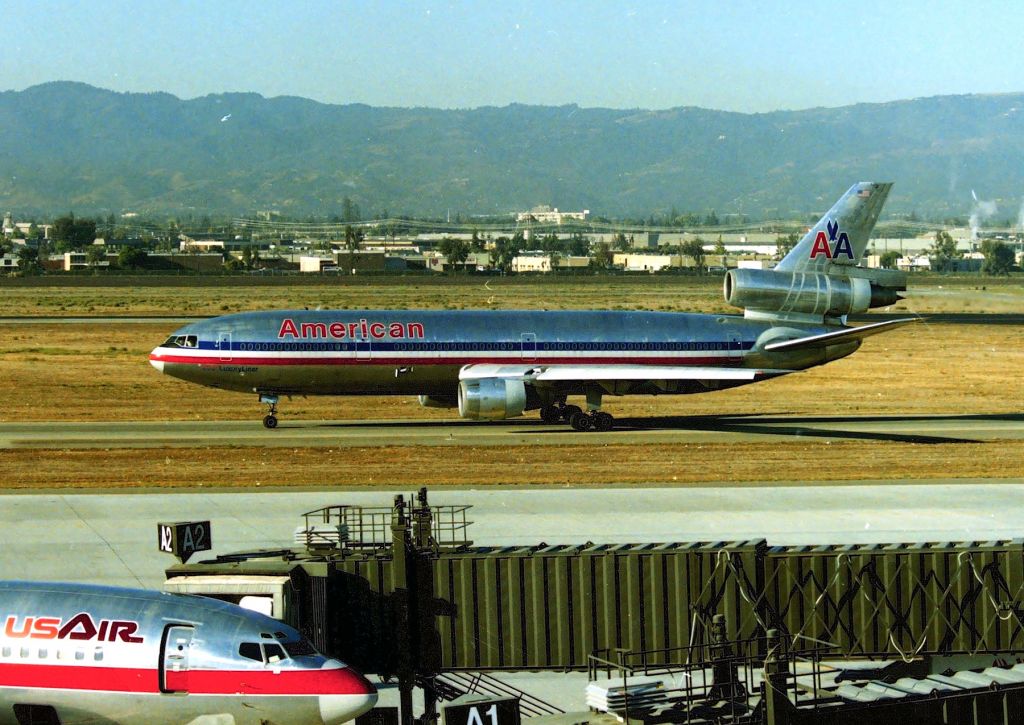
43,653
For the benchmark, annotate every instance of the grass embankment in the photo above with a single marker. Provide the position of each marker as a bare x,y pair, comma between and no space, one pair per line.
571,465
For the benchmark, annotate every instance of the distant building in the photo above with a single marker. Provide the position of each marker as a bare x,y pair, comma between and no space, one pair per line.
78,260
532,263
754,264
548,262
546,215
914,264
343,262
201,245
9,227
632,262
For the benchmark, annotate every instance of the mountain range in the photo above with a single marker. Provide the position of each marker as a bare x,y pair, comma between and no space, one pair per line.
71,147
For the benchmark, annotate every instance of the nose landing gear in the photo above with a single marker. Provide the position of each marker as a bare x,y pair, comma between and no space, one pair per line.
270,419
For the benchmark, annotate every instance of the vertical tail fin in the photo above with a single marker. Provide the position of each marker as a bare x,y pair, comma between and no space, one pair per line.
841,236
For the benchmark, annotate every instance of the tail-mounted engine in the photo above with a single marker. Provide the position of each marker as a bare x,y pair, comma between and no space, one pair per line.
816,295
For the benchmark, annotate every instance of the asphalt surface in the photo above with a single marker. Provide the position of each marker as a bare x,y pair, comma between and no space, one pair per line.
675,429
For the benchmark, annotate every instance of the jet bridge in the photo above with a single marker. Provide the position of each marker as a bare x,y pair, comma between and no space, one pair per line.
402,591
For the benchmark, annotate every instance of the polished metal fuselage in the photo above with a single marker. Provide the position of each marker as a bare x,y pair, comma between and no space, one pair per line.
109,654
383,352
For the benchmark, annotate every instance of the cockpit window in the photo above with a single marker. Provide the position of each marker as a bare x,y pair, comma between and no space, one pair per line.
299,648
181,341
250,650
267,652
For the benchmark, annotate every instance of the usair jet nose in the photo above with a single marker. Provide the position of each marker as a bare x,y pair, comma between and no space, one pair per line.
355,695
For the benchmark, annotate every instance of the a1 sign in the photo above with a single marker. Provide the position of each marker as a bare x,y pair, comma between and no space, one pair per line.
184,538
503,711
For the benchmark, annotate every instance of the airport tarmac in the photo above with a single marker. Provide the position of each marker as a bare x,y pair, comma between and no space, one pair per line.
347,433
112,538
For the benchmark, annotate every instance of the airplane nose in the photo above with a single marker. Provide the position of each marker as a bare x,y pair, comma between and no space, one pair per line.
337,709
155,361
354,695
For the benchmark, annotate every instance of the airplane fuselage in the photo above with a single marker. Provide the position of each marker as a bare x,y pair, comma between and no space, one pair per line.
87,654
382,352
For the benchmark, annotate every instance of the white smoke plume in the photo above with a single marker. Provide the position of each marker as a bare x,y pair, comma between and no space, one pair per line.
981,211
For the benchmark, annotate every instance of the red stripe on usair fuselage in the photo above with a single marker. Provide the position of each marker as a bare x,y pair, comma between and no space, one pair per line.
384,359
341,681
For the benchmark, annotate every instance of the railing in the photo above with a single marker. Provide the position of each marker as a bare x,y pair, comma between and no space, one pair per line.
360,527
722,682
452,684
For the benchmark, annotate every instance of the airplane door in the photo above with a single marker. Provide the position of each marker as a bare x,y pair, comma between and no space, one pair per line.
735,346
363,349
224,345
174,667
529,340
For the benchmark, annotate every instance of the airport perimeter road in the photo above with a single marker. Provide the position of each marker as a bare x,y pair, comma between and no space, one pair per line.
111,538
698,429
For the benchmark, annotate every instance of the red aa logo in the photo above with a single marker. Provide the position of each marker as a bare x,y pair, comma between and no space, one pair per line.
833,244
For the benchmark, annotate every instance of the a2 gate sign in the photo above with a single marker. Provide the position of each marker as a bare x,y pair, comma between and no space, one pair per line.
184,538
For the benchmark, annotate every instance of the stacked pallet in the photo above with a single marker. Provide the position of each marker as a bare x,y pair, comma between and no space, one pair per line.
612,696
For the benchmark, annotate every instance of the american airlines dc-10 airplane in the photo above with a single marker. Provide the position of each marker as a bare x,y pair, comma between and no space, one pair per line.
493,365
75,653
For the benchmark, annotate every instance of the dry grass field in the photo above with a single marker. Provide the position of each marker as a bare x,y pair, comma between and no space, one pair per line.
203,296
404,467
99,372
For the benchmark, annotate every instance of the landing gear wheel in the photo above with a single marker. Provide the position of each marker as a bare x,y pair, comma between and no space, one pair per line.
270,419
551,414
580,421
568,411
603,421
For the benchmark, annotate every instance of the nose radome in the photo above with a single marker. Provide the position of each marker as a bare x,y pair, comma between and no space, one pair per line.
337,709
352,695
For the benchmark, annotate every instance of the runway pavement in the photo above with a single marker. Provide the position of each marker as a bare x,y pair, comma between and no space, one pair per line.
111,538
676,429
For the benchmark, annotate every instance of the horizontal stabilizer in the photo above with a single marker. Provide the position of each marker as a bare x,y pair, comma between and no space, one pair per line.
839,336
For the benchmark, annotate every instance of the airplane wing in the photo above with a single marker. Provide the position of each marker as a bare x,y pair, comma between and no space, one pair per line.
839,336
653,372
611,372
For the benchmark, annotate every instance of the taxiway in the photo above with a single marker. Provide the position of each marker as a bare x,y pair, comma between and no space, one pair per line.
112,538
677,429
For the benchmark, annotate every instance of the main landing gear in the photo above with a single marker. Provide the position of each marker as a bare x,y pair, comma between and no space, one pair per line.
270,419
592,419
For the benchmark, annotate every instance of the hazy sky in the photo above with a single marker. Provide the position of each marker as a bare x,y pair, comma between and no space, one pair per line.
734,55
